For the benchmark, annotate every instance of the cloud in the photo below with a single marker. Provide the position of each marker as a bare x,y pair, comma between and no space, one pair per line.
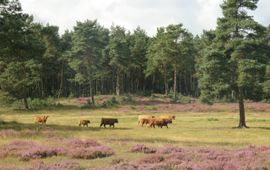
196,15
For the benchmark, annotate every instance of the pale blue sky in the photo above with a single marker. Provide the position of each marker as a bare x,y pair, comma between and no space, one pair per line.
196,15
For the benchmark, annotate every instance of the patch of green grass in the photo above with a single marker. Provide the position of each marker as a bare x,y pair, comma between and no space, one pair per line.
212,119
150,108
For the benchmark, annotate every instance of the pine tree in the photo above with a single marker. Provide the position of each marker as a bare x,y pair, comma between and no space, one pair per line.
234,61
20,51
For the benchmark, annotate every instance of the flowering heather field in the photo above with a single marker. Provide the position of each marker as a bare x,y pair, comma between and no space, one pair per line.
170,157
201,137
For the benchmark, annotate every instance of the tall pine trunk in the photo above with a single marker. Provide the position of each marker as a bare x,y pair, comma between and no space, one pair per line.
61,81
91,92
26,106
166,84
242,116
175,83
117,88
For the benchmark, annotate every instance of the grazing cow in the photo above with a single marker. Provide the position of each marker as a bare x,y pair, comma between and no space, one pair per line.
41,119
171,117
144,119
84,123
108,121
159,122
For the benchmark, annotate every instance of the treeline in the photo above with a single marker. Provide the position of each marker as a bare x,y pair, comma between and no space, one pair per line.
36,62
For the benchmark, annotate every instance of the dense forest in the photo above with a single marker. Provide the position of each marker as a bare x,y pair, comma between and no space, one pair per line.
230,63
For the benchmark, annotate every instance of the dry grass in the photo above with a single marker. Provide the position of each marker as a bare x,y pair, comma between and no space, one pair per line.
196,126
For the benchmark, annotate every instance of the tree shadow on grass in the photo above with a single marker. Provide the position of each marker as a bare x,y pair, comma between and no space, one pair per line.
181,142
146,140
262,128
23,126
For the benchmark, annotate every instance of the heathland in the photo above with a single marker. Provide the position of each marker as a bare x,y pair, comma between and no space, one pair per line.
201,136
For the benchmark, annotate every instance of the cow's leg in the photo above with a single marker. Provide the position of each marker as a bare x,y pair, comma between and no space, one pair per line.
101,125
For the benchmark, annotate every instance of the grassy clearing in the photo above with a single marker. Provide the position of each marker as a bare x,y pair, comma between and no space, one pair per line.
190,129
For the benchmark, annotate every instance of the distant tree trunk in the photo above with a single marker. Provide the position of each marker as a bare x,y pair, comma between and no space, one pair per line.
179,83
25,103
153,84
166,84
117,89
61,81
242,118
91,92
175,83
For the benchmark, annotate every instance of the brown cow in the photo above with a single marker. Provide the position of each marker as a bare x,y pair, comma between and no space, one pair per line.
84,123
159,122
41,119
108,121
144,119
170,117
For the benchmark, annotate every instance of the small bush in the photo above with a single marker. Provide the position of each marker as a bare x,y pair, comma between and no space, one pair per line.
37,152
181,98
110,103
77,143
153,159
87,149
143,149
170,150
91,153
127,99
26,150
62,165
87,106
39,103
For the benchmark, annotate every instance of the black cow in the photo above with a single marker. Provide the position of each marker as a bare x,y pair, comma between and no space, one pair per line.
108,121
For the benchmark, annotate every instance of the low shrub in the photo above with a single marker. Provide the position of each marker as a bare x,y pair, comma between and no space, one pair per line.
87,149
181,98
127,99
91,152
153,159
8,133
26,150
77,143
110,103
143,149
37,152
62,165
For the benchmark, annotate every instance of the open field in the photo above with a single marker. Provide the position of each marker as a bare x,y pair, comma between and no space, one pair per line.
210,128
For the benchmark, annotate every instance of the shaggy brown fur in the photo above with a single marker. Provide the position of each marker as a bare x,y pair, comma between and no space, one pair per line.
41,119
170,117
159,122
108,121
144,119
84,123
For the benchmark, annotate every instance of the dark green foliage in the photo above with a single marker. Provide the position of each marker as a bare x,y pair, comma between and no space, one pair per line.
233,62
225,64
110,103
20,50
88,41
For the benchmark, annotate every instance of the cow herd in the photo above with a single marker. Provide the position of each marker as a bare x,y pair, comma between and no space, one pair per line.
152,121
149,120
